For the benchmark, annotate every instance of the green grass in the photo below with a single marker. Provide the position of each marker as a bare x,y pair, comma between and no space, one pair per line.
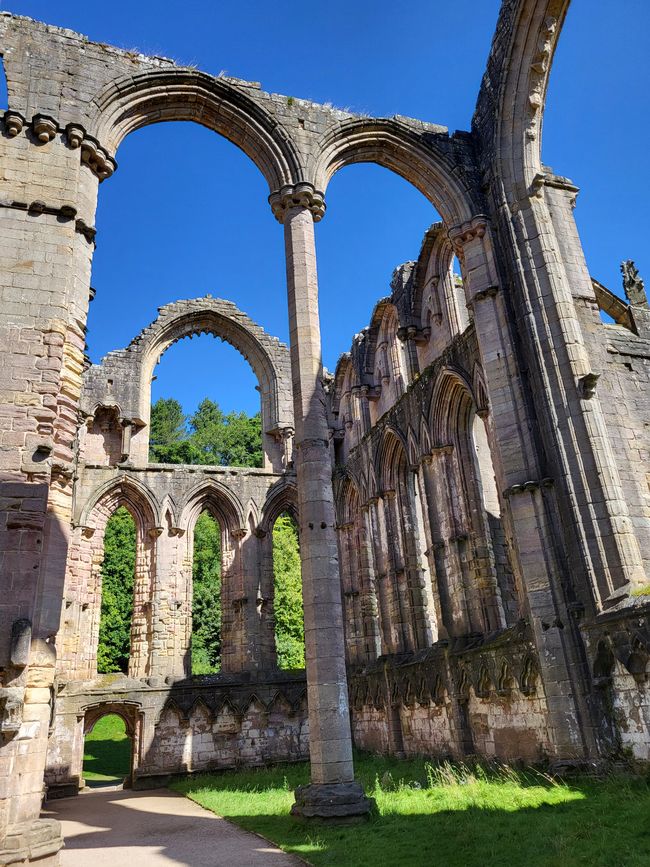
107,751
449,815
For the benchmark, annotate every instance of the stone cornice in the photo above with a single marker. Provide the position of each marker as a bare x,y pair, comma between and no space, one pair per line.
302,195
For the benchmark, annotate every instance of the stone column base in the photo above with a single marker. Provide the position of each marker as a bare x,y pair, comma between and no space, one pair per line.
35,842
332,801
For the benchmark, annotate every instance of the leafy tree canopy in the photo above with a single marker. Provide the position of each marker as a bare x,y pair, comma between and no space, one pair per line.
209,436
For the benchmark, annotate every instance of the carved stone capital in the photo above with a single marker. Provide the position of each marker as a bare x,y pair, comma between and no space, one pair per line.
302,195
461,235
482,294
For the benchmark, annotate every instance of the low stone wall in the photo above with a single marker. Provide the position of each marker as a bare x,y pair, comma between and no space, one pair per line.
200,724
451,701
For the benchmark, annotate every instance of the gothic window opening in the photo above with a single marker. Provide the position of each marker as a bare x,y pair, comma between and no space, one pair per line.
118,580
205,407
287,592
206,595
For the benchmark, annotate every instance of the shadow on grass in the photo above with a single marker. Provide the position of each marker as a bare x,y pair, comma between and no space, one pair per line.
504,818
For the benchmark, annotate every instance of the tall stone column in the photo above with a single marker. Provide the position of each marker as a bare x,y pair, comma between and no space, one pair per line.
333,791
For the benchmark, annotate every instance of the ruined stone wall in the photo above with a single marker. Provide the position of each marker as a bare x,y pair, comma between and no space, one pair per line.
209,723
440,570
482,477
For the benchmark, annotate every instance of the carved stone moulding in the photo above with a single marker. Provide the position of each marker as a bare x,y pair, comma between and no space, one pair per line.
302,195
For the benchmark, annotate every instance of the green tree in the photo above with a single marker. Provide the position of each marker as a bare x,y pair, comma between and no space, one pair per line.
230,440
167,429
242,440
206,598
289,622
118,571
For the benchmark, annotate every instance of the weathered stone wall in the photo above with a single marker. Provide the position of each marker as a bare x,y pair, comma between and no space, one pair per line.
428,549
208,723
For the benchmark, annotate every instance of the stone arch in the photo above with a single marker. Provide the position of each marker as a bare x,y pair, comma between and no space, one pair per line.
282,497
391,455
417,155
79,634
126,710
451,399
212,495
385,360
170,94
356,561
131,714
267,356
438,304
510,106
477,544
125,491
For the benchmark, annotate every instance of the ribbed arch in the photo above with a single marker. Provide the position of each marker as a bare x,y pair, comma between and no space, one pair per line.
123,491
210,495
417,157
282,497
452,402
189,95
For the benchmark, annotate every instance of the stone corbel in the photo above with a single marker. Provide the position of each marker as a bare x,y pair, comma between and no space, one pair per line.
155,532
482,294
177,531
44,127
14,123
238,532
97,158
587,385
374,392
527,487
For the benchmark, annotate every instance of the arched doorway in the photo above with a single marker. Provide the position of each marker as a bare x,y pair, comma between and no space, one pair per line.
110,733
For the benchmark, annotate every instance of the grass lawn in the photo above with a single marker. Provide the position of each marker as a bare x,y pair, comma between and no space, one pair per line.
107,751
446,815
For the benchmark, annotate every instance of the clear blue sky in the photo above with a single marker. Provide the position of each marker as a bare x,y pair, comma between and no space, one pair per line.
186,212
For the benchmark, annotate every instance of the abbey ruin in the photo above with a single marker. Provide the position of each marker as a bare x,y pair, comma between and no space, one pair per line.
472,483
